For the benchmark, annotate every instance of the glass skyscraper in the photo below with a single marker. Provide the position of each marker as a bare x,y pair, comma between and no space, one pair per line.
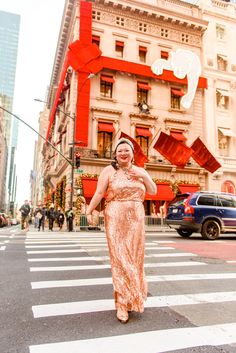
9,37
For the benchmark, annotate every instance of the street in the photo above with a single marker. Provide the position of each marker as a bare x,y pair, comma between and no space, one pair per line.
56,295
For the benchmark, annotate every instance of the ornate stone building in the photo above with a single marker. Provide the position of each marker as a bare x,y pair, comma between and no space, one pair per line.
123,96
219,62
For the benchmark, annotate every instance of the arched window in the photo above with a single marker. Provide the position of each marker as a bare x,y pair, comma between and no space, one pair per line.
228,186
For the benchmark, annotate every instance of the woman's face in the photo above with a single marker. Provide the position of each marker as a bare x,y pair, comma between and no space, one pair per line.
124,154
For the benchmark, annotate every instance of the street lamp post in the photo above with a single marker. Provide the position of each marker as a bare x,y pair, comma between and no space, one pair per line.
73,142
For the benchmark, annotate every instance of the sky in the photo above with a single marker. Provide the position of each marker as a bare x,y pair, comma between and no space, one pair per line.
39,31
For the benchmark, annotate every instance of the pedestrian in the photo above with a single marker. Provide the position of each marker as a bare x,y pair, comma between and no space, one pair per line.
51,216
37,216
43,212
69,219
60,218
25,211
124,185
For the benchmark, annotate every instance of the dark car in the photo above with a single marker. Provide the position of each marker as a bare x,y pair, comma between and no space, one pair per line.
205,212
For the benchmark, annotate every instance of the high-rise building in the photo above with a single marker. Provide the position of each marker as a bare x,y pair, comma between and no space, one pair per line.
9,35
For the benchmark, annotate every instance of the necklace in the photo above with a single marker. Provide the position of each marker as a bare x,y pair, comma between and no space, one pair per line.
126,170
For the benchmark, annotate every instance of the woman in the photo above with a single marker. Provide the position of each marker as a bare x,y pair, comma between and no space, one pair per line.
125,186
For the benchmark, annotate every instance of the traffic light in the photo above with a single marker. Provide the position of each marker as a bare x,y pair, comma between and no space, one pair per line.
77,160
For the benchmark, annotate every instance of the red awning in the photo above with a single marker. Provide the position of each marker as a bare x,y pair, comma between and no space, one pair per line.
142,131
119,44
144,86
164,54
178,135
164,193
177,92
183,188
96,38
106,127
142,49
107,79
89,186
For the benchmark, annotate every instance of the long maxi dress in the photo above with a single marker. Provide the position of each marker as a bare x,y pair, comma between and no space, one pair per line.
124,224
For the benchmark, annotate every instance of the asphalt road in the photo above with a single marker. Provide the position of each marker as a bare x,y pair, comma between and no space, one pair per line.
56,295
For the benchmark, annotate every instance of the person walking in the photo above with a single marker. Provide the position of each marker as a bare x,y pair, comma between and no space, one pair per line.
125,186
60,218
51,216
43,212
69,219
25,211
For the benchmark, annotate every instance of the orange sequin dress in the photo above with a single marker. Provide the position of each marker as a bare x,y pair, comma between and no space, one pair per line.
124,224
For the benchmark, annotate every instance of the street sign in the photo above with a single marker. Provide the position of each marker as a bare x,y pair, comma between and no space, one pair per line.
80,171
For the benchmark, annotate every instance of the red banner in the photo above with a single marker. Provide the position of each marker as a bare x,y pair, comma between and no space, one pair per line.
203,157
173,150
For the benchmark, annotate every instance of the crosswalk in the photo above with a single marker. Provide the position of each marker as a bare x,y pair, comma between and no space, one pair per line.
71,282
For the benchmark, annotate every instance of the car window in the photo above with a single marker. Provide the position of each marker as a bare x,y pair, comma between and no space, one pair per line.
226,201
178,203
206,200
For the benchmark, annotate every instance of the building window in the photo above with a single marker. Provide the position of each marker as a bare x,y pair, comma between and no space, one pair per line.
178,135
96,15
222,62
142,54
164,32
120,21
220,31
223,144
176,95
164,55
222,99
96,40
142,27
105,135
185,38
229,187
106,86
143,137
142,92
119,49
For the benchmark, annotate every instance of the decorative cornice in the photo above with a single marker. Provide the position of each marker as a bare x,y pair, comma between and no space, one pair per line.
184,15
106,110
177,121
142,116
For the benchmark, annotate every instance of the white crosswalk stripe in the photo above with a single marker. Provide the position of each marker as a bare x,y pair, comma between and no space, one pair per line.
159,301
38,251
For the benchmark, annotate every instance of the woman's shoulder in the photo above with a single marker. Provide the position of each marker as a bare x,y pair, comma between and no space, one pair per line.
108,170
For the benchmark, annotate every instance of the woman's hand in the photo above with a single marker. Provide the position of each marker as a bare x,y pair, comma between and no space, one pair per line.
136,173
90,219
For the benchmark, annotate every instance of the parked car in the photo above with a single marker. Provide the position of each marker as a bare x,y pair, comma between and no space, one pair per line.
205,212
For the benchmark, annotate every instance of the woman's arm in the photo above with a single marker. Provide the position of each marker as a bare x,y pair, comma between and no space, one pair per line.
100,191
151,187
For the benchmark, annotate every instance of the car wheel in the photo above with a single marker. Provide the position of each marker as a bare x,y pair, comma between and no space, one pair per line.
184,232
210,230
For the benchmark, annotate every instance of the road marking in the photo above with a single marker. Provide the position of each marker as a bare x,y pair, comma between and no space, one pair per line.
107,280
99,258
85,258
231,261
158,341
100,267
54,251
178,254
82,307
96,245
2,248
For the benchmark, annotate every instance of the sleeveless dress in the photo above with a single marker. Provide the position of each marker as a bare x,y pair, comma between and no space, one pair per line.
124,224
